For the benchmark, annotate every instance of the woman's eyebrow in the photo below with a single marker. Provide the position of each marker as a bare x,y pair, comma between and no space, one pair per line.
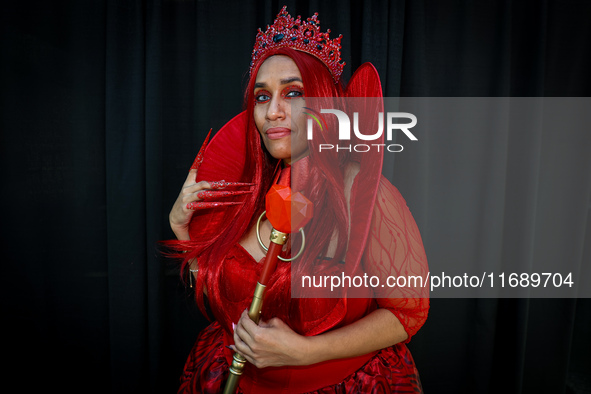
282,82
290,80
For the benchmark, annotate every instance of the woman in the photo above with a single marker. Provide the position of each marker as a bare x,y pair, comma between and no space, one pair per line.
361,225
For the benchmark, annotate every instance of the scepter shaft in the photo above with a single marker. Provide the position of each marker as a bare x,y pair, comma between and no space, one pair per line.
254,312
278,208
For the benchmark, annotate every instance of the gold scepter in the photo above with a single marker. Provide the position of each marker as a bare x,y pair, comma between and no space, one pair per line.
285,211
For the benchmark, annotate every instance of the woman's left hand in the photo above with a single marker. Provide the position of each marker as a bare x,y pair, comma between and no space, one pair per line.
269,344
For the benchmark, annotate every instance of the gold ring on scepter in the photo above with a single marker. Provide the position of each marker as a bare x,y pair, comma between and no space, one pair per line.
266,248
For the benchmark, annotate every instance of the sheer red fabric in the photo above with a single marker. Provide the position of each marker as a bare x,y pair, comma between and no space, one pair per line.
395,254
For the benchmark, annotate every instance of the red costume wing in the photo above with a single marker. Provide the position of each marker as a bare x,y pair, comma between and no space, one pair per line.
223,160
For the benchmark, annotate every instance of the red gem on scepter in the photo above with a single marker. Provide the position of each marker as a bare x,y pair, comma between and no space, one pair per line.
287,212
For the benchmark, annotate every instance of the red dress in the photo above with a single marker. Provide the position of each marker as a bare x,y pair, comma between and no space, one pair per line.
393,249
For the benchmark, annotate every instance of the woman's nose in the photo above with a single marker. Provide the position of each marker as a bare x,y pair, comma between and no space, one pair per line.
276,109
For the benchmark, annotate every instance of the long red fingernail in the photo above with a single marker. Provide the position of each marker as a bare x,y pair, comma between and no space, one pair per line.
196,205
222,184
199,158
209,195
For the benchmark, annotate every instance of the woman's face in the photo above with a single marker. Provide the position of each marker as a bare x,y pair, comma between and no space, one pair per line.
279,98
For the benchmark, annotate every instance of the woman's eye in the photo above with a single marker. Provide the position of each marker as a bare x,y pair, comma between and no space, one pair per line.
293,92
262,97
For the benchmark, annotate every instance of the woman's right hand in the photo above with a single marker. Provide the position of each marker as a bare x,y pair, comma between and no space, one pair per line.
180,216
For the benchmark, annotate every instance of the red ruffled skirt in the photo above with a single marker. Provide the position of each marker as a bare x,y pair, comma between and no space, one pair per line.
391,370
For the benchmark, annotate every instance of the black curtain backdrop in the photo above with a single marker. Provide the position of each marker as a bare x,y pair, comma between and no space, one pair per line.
106,103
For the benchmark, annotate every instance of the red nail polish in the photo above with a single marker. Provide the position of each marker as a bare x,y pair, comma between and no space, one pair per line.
196,205
199,158
210,195
222,184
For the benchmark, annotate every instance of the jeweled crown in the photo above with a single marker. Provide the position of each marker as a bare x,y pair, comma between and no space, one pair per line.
303,36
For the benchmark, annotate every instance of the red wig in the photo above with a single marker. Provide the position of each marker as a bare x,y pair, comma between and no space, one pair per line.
324,186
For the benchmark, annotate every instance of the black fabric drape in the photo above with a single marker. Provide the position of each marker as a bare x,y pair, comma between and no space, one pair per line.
104,105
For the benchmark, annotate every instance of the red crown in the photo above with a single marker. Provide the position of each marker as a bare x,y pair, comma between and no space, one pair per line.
303,36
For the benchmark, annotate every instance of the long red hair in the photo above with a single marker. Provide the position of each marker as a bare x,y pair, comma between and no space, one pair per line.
325,187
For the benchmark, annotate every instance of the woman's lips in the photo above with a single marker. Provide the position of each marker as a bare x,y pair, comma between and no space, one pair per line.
277,132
